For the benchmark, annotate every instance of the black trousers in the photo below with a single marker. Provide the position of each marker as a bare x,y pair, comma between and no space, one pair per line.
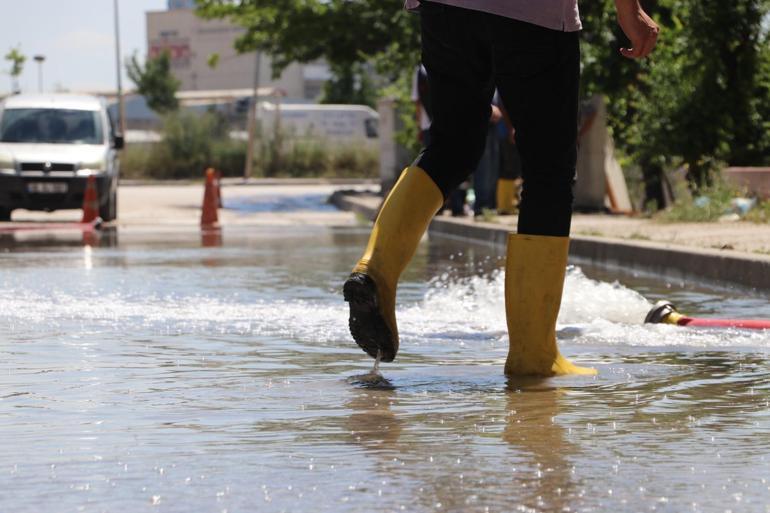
536,70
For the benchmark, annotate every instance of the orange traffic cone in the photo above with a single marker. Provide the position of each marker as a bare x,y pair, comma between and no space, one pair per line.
209,215
90,201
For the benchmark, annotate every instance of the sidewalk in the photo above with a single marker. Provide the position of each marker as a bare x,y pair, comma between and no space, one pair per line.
734,253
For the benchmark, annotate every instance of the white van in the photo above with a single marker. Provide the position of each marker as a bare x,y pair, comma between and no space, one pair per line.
334,123
49,146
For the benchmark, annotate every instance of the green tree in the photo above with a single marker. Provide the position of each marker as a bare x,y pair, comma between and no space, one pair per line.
155,82
348,35
17,60
350,84
342,32
702,98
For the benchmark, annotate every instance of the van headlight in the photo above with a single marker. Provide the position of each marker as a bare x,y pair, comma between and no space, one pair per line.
95,167
7,164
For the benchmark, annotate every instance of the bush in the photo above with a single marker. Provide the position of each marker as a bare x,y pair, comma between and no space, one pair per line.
191,143
316,158
134,159
712,203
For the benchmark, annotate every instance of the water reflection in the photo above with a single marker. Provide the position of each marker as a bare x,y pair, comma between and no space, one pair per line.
532,429
372,423
31,240
211,237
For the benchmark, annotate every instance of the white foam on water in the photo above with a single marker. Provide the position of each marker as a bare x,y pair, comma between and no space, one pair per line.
592,313
478,303
451,312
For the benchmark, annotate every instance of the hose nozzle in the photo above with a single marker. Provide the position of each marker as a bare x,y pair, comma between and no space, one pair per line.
664,312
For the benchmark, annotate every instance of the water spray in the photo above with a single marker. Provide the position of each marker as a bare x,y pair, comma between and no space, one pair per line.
664,312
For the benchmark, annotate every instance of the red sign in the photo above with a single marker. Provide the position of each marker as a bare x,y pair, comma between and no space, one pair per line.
178,50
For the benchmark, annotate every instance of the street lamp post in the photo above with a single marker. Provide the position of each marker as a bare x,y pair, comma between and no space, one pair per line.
121,103
39,59
252,119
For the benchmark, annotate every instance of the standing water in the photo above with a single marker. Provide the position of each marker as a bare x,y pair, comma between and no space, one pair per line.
157,374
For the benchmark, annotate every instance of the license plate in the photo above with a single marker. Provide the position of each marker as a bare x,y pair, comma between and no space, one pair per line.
47,187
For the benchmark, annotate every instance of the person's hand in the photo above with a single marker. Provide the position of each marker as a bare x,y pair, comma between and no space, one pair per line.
640,29
496,115
512,136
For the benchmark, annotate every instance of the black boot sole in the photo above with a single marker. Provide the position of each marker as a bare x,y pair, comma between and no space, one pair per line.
367,325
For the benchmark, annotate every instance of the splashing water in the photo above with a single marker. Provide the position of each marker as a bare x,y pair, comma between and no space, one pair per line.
373,378
450,311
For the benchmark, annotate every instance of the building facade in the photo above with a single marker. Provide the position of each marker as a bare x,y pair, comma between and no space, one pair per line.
191,42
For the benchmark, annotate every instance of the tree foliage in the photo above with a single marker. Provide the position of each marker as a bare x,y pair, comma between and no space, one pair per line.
350,84
344,33
17,59
155,82
702,99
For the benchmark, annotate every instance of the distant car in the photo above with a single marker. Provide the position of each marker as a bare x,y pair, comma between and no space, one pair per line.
49,146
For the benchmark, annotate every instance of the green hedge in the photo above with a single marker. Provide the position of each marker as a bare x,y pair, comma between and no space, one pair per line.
192,142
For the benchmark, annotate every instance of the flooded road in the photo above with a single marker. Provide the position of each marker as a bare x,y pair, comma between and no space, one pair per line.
171,372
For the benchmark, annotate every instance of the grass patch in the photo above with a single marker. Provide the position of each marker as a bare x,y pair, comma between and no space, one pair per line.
710,205
760,213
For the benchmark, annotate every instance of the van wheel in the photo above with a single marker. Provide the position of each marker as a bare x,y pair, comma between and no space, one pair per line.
109,211
5,214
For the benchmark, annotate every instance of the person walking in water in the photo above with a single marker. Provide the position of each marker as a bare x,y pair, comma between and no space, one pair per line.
530,52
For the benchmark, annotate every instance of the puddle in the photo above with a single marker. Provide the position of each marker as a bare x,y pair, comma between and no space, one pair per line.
160,372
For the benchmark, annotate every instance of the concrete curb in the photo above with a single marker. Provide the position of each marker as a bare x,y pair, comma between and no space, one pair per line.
684,262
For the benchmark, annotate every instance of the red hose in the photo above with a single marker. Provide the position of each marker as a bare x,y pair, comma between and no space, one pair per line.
724,323
664,312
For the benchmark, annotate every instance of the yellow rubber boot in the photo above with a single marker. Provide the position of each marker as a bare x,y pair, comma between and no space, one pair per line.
534,280
371,288
507,196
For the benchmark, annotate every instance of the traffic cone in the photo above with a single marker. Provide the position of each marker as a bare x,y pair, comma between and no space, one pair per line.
90,201
209,215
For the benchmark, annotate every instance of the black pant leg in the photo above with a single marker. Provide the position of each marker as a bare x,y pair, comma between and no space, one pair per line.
457,54
537,74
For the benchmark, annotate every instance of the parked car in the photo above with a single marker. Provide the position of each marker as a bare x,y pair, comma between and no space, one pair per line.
49,146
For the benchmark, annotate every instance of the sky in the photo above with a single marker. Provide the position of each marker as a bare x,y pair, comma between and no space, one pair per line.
77,38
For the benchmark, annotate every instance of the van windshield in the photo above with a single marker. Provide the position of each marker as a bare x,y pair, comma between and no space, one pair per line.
58,126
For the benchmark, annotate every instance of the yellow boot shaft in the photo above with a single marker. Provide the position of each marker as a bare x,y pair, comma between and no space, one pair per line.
534,281
507,196
401,223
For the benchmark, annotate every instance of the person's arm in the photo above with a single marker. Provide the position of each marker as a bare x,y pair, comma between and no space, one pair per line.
495,116
640,29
